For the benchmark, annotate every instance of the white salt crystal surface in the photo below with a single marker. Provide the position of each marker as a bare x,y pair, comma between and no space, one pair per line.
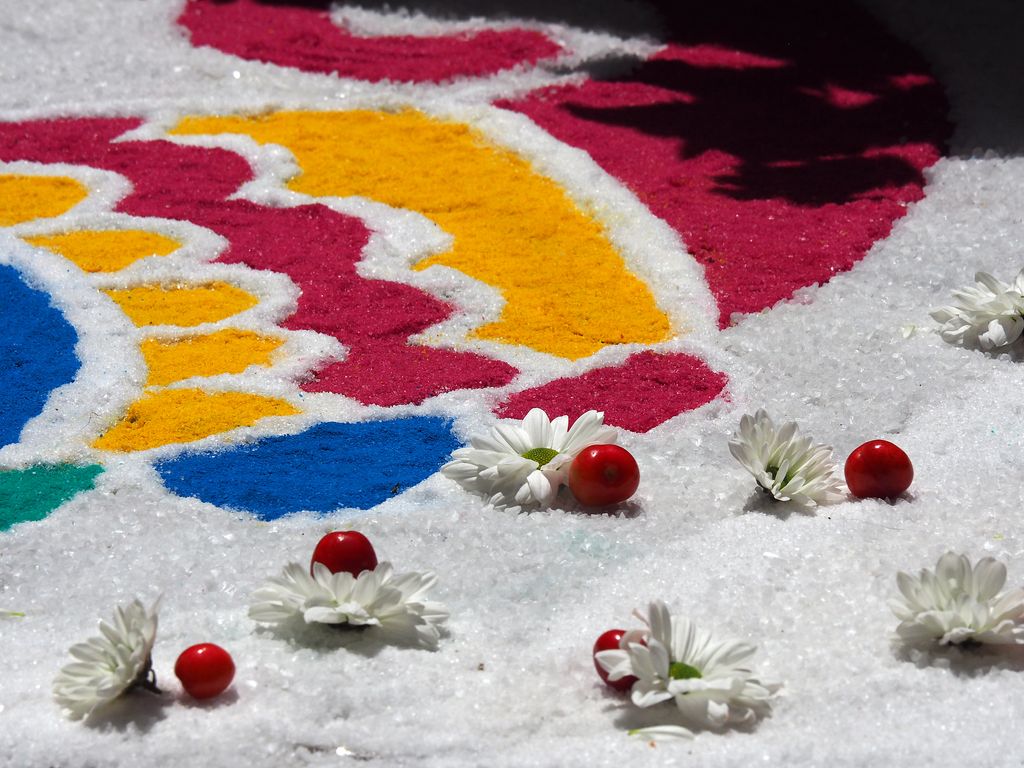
513,682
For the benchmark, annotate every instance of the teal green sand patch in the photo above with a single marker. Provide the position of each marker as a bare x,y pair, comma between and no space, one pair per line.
33,493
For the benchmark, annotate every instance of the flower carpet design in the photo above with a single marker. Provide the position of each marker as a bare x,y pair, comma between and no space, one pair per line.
494,285
181,330
196,332
350,212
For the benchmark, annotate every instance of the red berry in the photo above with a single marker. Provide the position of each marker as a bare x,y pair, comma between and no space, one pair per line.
609,641
878,469
603,474
345,551
205,670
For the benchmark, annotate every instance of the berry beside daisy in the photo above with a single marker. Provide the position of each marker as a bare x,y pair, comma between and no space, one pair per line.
792,467
707,677
120,659
522,466
346,586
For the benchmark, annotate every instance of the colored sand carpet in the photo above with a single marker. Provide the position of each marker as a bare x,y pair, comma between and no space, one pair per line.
267,263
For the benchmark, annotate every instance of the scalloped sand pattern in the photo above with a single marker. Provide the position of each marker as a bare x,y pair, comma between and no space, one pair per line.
296,252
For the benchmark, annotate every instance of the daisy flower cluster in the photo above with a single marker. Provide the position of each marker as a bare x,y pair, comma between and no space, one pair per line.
708,679
989,314
344,586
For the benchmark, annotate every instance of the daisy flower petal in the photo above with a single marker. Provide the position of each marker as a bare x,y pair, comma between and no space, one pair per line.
589,429
663,732
615,662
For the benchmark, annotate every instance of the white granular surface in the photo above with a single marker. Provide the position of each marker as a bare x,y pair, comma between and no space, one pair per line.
513,684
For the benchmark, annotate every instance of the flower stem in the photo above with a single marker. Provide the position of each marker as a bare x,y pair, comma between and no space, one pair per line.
147,678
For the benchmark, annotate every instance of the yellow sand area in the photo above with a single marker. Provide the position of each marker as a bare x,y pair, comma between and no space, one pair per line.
106,250
227,351
24,197
567,290
185,415
184,305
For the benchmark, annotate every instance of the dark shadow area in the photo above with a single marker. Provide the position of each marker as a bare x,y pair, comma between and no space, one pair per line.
780,140
964,660
366,641
137,710
821,182
629,717
811,113
1012,352
566,503
813,104
762,502
227,699
606,68
975,51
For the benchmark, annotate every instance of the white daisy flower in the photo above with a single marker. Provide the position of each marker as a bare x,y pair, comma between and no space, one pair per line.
788,466
110,664
707,677
988,315
516,467
956,603
395,604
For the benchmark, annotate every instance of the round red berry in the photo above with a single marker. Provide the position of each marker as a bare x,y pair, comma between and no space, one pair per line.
609,641
205,670
345,551
603,474
879,470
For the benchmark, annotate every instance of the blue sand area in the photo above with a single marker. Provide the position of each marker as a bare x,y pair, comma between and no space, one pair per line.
328,467
37,353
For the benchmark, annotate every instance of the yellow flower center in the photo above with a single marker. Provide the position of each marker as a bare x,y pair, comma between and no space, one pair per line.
680,670
541,455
